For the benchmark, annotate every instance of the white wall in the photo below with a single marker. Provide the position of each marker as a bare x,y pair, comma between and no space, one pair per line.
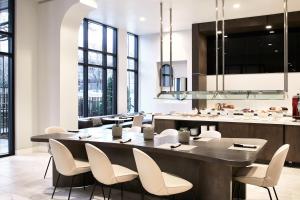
257,82
148,75
25,72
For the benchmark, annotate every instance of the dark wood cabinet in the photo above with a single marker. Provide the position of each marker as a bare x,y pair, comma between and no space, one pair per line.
292,137
274,134
234,130
162,124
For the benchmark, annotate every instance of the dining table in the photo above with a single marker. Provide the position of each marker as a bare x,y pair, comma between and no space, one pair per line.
209,164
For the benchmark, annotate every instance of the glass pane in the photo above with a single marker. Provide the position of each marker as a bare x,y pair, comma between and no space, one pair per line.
131,45
80,56
131,92
80,90
4,44
4,85
4,16
94,58
95,36
131,64
110,92
95,100
80,36
110,61
110,40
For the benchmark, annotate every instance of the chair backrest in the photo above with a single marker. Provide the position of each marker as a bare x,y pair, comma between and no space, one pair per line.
149,173
54,129
276,165
63,158
101,166
211,134
169,132
135,129
138,120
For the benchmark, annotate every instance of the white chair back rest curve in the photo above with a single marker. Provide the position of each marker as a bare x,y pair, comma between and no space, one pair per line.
276,165
101,166
63,158
54,129
138,120
149,173
211,134
169,132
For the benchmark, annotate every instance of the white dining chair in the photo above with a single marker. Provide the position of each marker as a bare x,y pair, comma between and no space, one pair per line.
106,173
137,121
65,164
169,132
156,182
262,175
50,130
211,134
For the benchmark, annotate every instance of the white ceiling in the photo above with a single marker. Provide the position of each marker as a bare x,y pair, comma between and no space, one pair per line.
126,13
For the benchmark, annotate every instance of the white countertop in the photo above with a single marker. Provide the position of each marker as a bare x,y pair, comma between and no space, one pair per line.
235,119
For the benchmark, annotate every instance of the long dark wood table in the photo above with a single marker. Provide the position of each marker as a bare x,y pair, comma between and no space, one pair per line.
209,166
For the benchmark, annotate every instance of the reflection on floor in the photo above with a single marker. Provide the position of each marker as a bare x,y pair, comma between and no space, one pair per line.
21,178
3,146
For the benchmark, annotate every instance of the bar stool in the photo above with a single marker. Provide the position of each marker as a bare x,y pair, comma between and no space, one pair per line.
156,182
265,176
50,130
65,163
106,173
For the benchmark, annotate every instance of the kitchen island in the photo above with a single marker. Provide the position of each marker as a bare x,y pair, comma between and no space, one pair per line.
277,132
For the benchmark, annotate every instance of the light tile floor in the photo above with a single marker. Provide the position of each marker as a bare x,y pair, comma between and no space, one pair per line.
21,178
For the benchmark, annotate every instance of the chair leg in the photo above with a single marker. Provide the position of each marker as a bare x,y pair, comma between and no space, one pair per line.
103,192
71,187
269,193
275,193
51,157
122,191
109,193
84,181
55,186
92,194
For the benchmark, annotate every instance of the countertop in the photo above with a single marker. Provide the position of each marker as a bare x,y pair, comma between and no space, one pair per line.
235,119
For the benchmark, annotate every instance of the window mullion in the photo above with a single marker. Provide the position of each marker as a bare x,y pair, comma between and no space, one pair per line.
85,69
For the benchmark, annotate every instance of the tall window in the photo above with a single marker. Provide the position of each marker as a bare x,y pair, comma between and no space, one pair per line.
97,69
132,73
6,77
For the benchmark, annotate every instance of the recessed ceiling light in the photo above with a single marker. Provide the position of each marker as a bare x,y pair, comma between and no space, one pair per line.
270,44
272,32
236,6
276,51
268,26
225,36
219,32
142,19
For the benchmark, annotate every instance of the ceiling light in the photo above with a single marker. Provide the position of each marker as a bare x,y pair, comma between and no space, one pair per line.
219,32
272,32
268,26
276,51
236,6
142,19
270,44
225,36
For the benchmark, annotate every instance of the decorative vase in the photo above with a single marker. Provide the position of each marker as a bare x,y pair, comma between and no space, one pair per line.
184,136
117,131
148,133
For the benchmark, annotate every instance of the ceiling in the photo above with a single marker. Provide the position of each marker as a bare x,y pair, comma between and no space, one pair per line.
126,14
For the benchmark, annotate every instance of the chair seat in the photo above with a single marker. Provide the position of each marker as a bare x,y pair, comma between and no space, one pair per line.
254,175
175,184
81,167
123,174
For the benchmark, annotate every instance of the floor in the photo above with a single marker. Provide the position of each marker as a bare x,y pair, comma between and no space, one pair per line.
21,178
3,146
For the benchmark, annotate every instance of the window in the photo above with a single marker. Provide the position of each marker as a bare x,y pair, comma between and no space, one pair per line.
6,77
97,69
132,73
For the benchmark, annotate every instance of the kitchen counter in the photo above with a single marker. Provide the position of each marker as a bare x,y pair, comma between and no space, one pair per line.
234,119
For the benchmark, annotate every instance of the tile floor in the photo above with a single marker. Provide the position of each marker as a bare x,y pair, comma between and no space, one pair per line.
21,178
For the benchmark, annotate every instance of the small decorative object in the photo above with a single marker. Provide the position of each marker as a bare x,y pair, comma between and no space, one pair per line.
183,136
148,133
117,131
203,129
194,131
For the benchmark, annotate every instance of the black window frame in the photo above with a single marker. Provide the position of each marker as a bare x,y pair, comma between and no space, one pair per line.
135,70
11,82
85,64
